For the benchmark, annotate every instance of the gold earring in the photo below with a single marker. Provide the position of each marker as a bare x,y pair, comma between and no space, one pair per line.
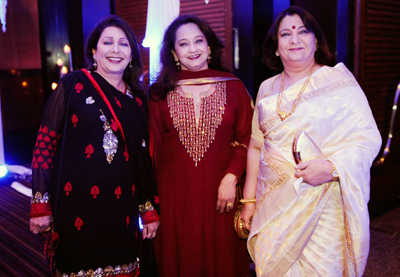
178,64
277,54
209,54
130,64
94,63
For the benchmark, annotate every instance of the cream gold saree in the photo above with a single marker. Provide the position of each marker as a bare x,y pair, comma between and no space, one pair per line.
304,230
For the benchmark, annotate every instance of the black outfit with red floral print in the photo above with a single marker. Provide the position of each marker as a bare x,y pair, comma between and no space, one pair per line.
97,202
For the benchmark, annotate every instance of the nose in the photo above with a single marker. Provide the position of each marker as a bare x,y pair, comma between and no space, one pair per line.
115,48
294,39
192,47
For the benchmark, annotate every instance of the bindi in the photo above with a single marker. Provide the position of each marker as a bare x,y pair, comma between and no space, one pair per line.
293,27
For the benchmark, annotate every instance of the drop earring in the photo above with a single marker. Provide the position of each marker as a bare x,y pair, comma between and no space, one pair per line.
178,64
130,64
277,54
94,63
209,55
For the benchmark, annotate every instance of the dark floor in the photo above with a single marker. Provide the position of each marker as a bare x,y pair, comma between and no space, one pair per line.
384,255
21,251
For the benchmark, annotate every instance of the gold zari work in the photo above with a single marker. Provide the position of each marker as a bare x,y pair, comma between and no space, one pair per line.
100,272
197,138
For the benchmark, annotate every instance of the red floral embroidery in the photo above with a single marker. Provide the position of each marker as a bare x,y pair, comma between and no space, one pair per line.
118,192
127,221
54,142
95,191
46,153
114,125
44,165
74,119
79,87
78,223
118,103
35,165
40,136
156,199
53,134
45,130
42,145
40,159
89,150
49,161
37,151
133,189
67,188
47,139
139,101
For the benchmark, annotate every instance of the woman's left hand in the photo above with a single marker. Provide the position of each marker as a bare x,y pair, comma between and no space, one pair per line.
227,193
314,172
150,230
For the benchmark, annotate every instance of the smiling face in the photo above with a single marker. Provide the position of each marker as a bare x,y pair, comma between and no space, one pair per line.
113,52
295,43
191,47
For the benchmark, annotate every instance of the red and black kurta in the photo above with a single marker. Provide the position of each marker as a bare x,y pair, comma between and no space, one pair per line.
95,201
194,239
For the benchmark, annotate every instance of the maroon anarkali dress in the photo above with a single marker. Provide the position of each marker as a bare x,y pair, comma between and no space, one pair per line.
194,239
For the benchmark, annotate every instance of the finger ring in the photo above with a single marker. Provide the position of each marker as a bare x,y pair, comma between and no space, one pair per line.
48,229
229,205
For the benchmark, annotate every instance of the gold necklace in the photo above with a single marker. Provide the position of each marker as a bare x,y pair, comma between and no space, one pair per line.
283,115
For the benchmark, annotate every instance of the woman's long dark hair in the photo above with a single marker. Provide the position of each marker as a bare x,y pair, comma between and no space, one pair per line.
131,76
168,76
322,54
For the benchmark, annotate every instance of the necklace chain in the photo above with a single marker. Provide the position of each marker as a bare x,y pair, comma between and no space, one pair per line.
282,114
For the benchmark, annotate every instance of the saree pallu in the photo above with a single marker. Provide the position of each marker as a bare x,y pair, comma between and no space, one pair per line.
304,230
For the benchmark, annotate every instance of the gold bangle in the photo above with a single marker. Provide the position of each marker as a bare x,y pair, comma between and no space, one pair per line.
246,201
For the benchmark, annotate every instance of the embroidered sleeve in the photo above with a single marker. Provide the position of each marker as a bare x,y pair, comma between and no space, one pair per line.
242,129
148,214
45,150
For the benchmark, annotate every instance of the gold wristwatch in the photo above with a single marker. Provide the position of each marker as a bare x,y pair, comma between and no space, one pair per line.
334,173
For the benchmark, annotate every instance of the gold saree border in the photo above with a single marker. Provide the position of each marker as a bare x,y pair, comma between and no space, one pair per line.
283,177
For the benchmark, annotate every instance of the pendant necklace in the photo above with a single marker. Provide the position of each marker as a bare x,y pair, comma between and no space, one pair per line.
283,115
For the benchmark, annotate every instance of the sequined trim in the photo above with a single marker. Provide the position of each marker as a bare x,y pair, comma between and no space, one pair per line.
100,272
349,243
39,198
334,86
110,141
146,207
283,177
197,138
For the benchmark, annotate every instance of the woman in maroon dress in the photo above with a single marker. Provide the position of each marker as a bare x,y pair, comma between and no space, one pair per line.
200,116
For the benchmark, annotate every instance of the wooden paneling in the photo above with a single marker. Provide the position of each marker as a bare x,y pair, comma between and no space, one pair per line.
20,47
218,14
378,74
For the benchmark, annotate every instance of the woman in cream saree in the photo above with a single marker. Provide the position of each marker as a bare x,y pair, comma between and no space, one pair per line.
306,222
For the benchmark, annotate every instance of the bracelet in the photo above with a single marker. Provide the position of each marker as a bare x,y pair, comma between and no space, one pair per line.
246,201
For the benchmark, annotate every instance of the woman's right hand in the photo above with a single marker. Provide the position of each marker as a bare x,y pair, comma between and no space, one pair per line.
247,214
40,224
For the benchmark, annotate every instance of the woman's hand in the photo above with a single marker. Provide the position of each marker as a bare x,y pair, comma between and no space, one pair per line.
247,214
314,172
226,193
40,224
150,230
